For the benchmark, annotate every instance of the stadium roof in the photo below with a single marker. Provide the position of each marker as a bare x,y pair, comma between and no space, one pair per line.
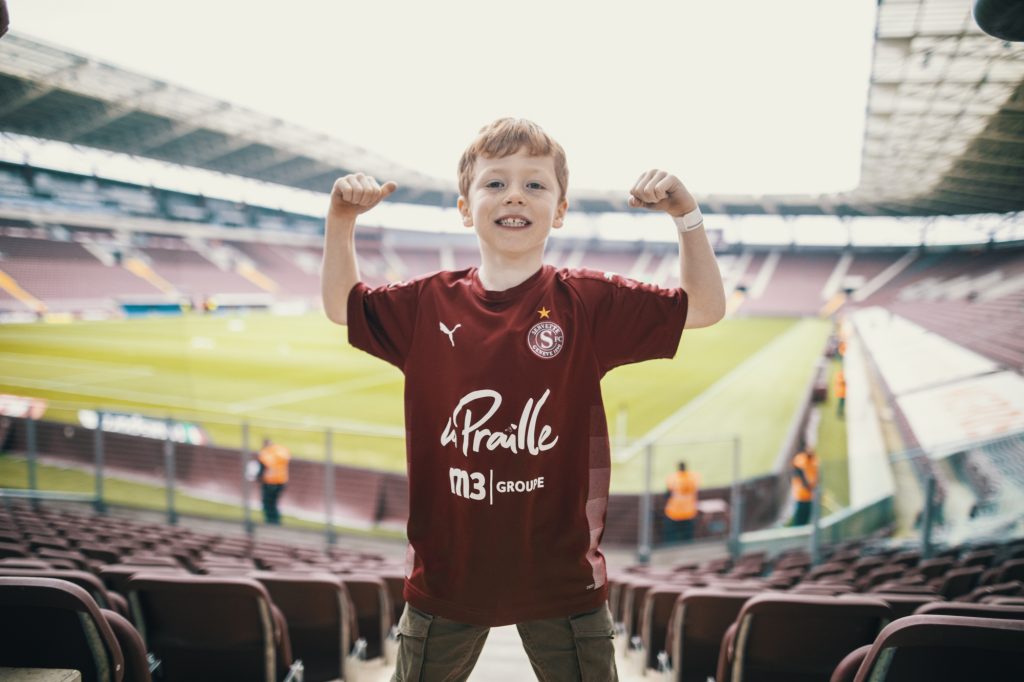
944,132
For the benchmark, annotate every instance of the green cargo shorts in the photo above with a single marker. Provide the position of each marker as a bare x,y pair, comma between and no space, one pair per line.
579,647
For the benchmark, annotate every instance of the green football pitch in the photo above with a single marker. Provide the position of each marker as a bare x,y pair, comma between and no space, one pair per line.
294,378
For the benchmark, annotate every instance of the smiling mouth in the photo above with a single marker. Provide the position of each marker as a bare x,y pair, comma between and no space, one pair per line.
513,221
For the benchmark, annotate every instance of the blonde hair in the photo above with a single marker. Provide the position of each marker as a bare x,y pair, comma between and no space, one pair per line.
505,137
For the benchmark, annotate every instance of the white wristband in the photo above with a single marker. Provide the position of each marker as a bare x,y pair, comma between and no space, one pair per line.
689,222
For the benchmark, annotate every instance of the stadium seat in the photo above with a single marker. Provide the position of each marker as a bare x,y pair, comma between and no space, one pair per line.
979,557
14,550
37,541
372,604
904,604
395,581
74,556
318,612
15,562
615,598
960,581
900,588
144,559
210,629
116,577
907,559
1011,570
136,665
1007,601
9,535
55,624
699,620
847,669
633,592
933,568
659,602
941,649
100,553
822,589
796,638
87,581
865,565
959,608
880,575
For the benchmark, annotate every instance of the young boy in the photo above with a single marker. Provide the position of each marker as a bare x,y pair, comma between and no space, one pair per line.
507,446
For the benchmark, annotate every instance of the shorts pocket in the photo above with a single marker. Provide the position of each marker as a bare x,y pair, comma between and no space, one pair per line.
592,633
413,627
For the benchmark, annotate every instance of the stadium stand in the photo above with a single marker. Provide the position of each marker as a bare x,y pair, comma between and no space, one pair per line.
974,298
714,582
674,617
796,286
64,275
191,273
284,266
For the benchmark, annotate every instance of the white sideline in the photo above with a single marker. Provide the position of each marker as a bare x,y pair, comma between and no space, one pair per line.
310,392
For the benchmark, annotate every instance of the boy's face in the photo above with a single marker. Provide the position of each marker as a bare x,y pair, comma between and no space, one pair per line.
513,203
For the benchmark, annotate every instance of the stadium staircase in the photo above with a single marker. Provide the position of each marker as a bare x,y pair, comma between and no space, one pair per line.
8,284
249,271
141,269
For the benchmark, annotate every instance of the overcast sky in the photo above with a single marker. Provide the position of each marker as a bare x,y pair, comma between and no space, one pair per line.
745,96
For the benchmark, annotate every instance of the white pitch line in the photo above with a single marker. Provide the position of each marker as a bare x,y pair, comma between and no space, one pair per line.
158,402
76,363
105,375
670,422
311,392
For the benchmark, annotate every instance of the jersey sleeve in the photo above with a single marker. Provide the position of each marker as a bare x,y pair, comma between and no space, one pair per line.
630,321
381,320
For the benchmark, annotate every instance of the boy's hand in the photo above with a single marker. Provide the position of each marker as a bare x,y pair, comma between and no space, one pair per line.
357,193
656,190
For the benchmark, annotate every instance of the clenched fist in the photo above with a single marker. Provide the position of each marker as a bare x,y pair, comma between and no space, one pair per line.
657,190
357,193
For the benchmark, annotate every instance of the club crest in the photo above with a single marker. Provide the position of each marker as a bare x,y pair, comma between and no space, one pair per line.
545,339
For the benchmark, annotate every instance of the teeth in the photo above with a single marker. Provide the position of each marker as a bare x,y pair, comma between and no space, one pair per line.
512,222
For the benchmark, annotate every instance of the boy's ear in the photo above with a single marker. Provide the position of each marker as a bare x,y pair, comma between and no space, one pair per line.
463,206
560,214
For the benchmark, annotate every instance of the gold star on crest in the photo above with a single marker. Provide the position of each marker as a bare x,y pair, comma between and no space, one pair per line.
544,313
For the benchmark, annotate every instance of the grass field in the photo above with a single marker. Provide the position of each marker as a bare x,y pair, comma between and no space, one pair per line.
293,377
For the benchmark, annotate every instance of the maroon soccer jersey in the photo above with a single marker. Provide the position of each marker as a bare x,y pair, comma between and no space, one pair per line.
507,444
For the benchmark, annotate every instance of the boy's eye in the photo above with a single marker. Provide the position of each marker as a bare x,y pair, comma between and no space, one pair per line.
495,184
534,185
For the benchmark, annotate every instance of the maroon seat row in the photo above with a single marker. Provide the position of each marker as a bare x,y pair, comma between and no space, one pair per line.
171,585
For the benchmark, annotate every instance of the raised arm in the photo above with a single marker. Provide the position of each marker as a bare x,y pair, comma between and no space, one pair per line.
351,196
698,270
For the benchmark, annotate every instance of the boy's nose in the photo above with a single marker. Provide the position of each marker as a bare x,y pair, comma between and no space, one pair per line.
514,197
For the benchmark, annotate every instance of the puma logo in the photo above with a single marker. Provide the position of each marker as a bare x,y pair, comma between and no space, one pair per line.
450,332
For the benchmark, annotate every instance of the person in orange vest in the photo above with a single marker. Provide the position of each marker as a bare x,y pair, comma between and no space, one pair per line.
681,506
273,474
804,481
839,389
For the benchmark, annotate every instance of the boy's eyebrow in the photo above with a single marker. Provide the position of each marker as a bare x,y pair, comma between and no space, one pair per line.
528,169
